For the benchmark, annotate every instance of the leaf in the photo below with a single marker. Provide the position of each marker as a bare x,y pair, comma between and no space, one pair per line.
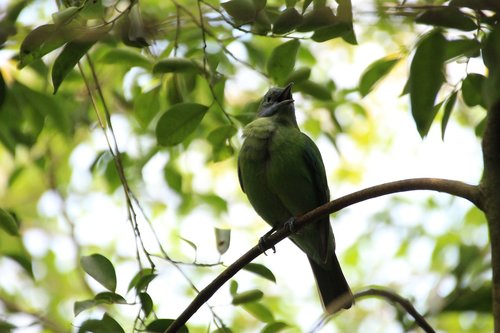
243,11
105,325
41,41
177,65
146,303
125,57
160,326
259,311
468,299
147,106
178,122
233,287
282,60
288,20
331,31
260,270
65,15
472,88
317,18
426,78
247,297
298,75
448,107
314,89
8,223
81,306
462,48
141,280
101,269
67,60
222,239
375,72
448,17
275,327
110,298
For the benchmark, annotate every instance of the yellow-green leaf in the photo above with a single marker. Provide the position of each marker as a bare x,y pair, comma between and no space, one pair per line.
177,65
375,72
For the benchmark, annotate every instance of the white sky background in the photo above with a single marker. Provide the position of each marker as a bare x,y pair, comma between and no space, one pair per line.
101,218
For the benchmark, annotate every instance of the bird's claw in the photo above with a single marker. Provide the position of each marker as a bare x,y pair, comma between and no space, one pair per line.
291,225
263,242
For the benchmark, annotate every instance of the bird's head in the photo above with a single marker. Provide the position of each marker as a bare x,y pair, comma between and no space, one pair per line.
277,101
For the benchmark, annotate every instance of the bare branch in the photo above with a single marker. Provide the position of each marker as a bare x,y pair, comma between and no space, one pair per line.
466,191
395,298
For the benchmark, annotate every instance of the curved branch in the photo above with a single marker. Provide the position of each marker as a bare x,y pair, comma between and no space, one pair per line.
460,189
395,298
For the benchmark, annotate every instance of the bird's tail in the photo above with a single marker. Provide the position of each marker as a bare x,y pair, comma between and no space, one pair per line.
333,287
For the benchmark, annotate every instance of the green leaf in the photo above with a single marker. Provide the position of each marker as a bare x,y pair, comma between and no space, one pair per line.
81,306
233,287
317,18
146,303
67,60
222,239
247,297
288,20
298,75
448,107
178,122
375,72
332,31
105,325
282,60
259,311
472,88
137,281
448,17
462,48
101,269
6,327
125,57
277,326
243,11
160,325
468,299
426,78
65,15
316,90
177,65
220,140
8,223
41,41
110,298
147,106
260,270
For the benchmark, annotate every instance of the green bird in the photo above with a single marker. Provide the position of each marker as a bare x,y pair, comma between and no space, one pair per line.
281,171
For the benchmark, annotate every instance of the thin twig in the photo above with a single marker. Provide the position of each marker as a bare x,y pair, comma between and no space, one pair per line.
460,189
395,298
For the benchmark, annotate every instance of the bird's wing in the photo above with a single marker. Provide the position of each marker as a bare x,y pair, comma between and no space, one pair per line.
317,172
316,168
239,175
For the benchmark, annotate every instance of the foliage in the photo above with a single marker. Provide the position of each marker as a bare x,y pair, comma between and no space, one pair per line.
164,73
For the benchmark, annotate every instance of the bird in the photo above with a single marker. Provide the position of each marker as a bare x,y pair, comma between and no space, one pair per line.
281,171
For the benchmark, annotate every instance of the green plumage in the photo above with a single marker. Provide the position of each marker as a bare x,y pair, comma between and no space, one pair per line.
282,172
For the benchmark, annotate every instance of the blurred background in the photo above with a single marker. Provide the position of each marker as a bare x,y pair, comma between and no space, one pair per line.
59,178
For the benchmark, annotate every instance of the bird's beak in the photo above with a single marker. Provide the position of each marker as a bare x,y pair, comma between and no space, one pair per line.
286,96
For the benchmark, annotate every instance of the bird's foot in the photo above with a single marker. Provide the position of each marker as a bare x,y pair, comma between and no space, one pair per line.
291,225
263,242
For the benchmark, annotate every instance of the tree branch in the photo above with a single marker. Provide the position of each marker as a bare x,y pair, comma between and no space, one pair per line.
466,191
395,298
